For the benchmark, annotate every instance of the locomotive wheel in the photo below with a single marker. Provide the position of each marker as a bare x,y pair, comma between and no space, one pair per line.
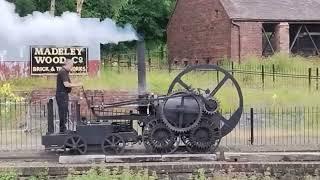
76,144
113,144
158,138
162,138
208,98
204,138
146,134
190,147
204,135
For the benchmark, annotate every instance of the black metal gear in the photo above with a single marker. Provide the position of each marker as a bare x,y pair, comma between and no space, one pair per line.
174,117
192,148
146,131
211,106
204,135
187,142
204,138
158,138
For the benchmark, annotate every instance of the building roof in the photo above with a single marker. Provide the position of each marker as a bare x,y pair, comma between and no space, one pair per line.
290,10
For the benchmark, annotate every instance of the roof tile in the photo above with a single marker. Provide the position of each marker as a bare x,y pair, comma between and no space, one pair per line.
291,10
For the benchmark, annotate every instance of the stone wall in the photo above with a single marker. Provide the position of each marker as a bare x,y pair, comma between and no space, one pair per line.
181,170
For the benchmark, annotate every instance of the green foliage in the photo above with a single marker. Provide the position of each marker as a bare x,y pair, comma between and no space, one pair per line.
114,174
25,7
6,98
200,175
282,62
149,17
41,175
117,5
8,175
97,9
6,92
285,92
65,5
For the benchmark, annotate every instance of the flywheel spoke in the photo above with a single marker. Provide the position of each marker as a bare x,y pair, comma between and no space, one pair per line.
218,87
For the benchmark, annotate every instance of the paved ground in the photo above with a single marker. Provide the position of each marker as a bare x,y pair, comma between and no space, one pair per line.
227,156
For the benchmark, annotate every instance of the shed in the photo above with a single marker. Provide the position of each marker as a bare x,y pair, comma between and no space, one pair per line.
205,31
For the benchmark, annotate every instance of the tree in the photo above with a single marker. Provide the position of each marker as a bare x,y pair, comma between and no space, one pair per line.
25,7
117,5
79,6
102,8
52,7
149,17
65,5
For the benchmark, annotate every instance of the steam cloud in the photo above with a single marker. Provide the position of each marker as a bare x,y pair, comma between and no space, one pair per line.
68,29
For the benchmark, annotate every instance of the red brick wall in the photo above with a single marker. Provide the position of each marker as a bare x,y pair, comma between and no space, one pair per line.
13,69
250,37
198,29
96,97
235,43
99,96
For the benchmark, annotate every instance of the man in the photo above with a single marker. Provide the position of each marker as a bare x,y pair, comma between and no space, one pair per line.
64,87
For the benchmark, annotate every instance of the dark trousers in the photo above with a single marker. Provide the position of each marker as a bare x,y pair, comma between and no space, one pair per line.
63,102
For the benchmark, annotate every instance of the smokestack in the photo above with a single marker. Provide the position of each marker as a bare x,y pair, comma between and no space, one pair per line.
141,66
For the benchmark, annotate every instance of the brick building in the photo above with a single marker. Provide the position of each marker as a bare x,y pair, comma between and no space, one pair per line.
204,31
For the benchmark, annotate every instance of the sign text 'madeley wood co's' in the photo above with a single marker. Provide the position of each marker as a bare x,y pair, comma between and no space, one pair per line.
49,60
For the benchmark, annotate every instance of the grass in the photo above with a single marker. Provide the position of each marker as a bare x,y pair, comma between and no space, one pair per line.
126,174
283,62
116,174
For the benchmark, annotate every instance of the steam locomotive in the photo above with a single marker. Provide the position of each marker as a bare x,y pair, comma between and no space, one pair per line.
188,117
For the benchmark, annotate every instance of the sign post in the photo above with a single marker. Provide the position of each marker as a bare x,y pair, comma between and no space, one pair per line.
48,60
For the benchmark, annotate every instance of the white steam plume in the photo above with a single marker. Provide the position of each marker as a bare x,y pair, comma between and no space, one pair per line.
68,29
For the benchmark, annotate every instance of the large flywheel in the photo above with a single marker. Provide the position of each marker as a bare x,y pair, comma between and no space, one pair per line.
184,113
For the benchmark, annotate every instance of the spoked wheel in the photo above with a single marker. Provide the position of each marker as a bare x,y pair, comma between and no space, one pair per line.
76,144
113,144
